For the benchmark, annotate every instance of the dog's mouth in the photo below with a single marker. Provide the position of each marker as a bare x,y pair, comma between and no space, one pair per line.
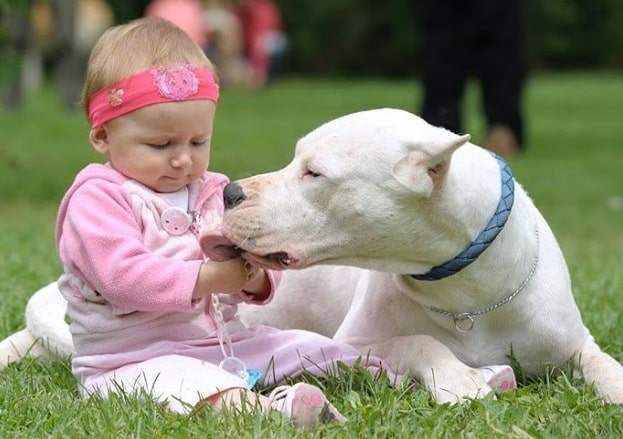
274,261
218,247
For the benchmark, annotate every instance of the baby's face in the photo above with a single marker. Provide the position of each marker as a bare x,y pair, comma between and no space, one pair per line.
163,146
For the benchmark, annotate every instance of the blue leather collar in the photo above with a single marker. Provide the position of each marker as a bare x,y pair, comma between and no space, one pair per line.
486,237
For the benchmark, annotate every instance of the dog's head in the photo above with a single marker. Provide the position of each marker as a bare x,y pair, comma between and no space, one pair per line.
353,185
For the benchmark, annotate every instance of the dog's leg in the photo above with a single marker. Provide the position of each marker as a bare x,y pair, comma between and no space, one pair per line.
20,345
434,366
602,371
46,336
45,319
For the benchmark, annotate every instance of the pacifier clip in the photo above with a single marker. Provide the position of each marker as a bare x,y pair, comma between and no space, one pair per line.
230,362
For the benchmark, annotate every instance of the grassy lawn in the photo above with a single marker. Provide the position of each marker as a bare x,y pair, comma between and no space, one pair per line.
573,169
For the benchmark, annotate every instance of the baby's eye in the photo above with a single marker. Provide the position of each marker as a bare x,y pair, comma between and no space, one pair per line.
198,142
159,145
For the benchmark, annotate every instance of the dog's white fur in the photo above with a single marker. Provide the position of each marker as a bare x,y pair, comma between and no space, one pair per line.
385,191
372,197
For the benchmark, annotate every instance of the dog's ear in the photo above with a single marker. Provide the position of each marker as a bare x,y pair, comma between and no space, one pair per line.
424,167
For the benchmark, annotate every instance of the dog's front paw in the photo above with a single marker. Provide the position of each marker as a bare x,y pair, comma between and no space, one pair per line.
610,392
457,387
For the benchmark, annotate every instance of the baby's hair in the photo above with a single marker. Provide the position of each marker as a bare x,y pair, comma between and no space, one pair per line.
137,46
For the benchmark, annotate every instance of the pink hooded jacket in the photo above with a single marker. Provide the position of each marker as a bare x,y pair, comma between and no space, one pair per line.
128,281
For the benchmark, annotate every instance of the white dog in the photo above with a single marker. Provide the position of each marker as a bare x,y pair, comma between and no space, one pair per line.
457,269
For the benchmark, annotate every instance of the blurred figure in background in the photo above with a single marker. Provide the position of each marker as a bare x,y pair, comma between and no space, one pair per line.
264,39
55,37
226,47
66,61
77,24
16,43
185,14
484,39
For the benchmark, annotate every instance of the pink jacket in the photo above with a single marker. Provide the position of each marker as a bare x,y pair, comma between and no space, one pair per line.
128,281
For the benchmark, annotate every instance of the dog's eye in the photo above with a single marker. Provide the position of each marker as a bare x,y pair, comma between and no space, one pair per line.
312,174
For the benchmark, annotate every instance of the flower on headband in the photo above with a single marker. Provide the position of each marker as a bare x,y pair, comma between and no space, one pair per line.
115,97
177,83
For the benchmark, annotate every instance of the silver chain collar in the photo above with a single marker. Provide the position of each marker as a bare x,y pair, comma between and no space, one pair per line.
464,322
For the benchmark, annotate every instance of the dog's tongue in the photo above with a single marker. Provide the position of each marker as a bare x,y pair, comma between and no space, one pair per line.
217,247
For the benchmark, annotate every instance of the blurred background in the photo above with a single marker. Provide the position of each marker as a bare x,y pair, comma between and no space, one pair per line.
287,66
338,38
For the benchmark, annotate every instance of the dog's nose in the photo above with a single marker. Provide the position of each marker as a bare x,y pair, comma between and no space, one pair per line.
233,195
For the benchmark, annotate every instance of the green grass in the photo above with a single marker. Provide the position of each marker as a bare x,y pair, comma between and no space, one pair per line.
573,169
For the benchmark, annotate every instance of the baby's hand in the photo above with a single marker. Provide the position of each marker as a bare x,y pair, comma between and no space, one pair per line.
257,281
228,276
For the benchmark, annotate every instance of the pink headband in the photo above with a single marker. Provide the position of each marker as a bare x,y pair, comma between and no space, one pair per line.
154,86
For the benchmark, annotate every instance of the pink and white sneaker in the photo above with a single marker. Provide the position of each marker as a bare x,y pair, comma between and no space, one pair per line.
305,405
500,378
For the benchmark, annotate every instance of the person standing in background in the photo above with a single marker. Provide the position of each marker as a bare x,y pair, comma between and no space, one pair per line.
483,39
185,14
264,39
15,42
50,36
